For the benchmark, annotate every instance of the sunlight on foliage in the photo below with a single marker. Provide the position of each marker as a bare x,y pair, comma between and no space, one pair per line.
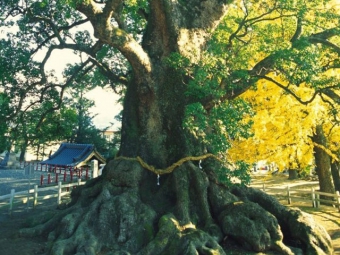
282,128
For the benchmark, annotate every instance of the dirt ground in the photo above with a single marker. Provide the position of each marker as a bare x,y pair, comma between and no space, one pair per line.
11,243
327,216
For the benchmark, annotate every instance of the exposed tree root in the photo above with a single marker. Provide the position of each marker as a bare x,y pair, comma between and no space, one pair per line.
126,212
296,225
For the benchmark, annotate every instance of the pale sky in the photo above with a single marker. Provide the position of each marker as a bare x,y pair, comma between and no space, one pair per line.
106,107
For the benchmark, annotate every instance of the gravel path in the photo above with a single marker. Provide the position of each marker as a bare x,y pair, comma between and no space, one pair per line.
16,179
10,223
19,181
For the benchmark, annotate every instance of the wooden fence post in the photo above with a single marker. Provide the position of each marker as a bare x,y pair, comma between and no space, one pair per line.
11,201
59,193
35,201
317,200
313,198
288,195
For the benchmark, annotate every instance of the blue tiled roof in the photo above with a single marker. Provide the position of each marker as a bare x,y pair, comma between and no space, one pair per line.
70,154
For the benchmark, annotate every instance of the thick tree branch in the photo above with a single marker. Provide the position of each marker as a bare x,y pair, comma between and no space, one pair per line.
332,95
298,30
322,38
109,34
194,20
326,43
194,14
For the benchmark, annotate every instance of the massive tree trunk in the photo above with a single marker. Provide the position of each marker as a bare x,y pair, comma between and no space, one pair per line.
153,198
322,161
152,118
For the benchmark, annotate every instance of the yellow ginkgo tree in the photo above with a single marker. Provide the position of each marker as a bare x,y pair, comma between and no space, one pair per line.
286,131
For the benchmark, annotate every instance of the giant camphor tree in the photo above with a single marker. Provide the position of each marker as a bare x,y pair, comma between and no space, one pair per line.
180,66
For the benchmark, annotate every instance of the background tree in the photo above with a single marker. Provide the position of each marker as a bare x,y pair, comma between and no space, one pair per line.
292,135
281,129
85,131
322,160
4,111
31,130
182,65
332,131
